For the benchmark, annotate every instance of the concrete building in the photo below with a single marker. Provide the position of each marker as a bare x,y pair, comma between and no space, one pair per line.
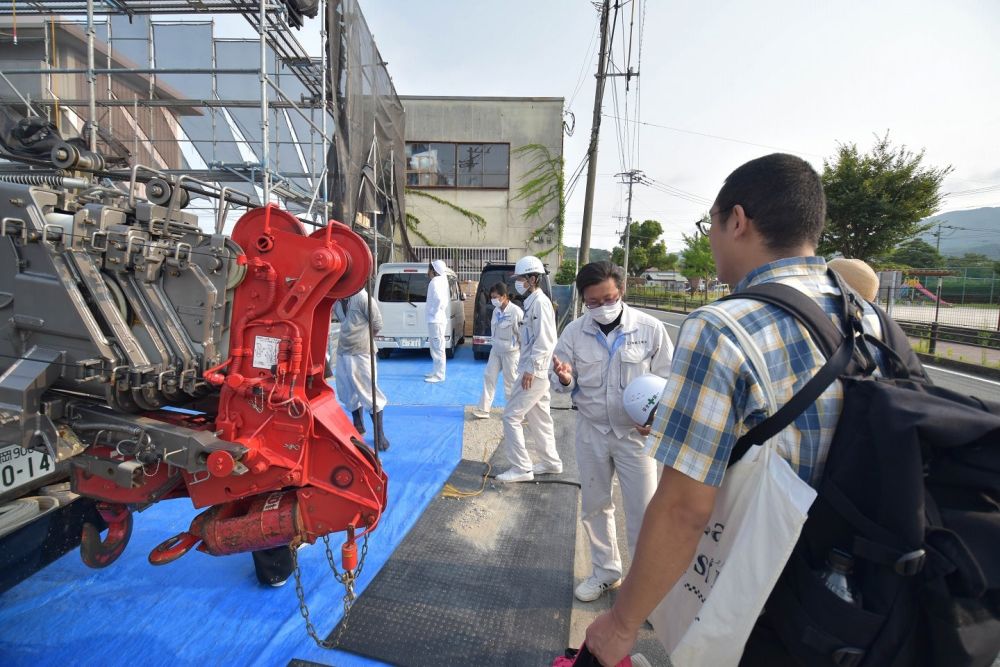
463,151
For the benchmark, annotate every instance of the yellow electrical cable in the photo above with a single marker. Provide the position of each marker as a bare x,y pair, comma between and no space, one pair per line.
452,491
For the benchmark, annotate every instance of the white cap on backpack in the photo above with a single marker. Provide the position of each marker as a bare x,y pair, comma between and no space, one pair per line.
642,396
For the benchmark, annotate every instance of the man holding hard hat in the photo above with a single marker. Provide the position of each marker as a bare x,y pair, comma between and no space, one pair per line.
596,358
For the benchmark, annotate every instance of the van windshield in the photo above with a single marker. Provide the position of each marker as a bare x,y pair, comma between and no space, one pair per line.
403,287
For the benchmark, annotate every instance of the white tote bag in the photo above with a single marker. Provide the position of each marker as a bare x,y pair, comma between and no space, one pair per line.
706,618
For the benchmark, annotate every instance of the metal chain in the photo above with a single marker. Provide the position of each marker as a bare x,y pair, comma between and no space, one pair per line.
347,578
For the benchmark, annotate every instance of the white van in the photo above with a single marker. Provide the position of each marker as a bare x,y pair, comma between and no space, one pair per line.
401,292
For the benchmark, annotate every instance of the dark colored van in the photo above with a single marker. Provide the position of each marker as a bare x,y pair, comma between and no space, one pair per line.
483,309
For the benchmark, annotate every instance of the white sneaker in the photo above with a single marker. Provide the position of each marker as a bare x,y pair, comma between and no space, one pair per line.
515,475
479,414
547,469
592,588
639,660
433,378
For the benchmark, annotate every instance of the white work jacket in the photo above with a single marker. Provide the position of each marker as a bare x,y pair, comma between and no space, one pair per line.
604,365
438,300
538,335
505,328
353,315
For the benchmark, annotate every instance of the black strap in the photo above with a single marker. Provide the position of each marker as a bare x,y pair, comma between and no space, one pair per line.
820,326
837,346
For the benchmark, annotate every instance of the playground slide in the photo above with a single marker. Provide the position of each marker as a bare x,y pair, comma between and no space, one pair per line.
929,294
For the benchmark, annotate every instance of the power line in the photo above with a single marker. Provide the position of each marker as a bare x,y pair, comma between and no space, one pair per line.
588,59
720,138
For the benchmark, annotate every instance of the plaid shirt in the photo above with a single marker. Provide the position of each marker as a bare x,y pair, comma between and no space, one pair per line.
713,395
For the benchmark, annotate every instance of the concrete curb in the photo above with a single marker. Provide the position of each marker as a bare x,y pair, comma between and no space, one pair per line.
976,370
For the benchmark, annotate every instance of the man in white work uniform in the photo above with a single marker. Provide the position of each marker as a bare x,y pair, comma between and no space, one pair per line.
354,363
505,349
528,406
598,354
437,317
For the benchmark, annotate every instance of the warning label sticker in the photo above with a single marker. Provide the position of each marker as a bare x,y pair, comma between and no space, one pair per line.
265,351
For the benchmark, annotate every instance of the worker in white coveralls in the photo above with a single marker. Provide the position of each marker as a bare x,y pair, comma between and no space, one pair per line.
354,363
505,349
528,405
597,356
437,317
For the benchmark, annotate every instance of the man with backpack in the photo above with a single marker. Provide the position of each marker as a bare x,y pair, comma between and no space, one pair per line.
763,229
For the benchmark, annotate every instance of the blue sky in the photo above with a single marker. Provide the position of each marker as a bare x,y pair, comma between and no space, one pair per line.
720,83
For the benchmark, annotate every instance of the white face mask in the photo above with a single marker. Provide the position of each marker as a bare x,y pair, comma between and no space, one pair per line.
496,303
521,287
607,314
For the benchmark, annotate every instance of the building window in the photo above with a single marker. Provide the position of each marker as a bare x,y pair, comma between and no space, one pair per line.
451,165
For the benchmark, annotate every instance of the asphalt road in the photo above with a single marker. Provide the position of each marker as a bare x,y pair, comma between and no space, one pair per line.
961,382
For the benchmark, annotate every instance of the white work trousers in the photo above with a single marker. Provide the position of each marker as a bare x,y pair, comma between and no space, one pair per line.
527,410
435,338
599,457
501,361
354,383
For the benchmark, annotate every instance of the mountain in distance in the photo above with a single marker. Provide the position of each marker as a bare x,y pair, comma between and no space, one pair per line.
596,254
978,230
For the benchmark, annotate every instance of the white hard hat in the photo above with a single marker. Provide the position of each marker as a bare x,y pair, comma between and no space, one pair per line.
642,395
440,267
527,265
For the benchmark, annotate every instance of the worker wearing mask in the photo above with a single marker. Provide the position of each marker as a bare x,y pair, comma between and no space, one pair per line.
354,363
437,317
597,356
528,406
505,351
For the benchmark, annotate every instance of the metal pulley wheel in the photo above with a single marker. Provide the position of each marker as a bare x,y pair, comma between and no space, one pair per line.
159,191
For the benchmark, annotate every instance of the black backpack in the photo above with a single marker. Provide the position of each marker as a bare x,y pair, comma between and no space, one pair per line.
910,489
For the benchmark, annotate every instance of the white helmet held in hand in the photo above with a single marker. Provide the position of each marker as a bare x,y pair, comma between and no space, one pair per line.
642,396
528,265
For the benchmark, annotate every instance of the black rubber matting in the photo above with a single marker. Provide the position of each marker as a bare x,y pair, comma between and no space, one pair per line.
479,581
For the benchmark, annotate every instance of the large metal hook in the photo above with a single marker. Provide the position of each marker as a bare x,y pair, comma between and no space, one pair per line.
97,553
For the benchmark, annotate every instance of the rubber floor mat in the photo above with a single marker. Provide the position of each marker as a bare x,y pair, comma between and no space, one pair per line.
486,580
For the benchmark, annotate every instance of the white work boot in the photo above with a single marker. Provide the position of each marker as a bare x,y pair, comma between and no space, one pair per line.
592,588
547,468
515,475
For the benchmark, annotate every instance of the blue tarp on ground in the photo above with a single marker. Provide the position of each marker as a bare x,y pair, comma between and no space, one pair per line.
206,610
401,378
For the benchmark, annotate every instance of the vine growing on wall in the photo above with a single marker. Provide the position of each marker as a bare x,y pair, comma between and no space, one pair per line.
473,217
412,222
541,185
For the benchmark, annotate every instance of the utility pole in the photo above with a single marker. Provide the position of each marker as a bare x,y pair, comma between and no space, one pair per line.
595,131
938,234
631,177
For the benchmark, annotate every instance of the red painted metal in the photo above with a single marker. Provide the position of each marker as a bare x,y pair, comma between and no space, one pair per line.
99,553
273,401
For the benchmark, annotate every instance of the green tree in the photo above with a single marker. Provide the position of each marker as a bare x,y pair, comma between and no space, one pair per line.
916,253
875,201
697,261
566,273
645,249
969,260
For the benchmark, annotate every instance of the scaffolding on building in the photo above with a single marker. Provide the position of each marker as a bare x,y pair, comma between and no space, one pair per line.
149,83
